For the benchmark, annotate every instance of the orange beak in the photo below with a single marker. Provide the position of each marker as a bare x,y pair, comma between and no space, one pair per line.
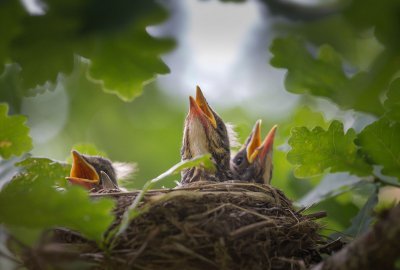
82,172
266,146
200,108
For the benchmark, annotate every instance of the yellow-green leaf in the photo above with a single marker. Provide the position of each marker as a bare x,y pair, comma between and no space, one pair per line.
314,151
14,134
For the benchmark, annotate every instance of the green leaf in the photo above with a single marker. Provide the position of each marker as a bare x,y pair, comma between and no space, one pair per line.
330,186
361,222
304,116
203,161
314,151
392,103
46,168
30,202
324,76
112,35
14,134
380,141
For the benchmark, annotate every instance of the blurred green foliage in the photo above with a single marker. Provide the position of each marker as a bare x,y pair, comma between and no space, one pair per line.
392,102
30,203
84,50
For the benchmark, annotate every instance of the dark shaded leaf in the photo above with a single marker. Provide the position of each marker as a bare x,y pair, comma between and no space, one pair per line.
11,89
11,14
380,141
324,76
123,55
392,103
361,222
363,15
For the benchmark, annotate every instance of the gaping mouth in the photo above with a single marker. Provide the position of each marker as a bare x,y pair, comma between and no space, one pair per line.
82,172
256,149
199,106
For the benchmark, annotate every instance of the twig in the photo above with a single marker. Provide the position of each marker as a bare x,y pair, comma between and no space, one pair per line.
190,252
152,234
246,229
386,182
316,215
2,254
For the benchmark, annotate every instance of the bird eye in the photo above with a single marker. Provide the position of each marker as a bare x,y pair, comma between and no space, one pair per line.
239,160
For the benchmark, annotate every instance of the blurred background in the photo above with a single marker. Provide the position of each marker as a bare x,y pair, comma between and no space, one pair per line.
222,46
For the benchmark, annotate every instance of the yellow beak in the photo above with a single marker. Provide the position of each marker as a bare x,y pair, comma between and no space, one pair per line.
200,106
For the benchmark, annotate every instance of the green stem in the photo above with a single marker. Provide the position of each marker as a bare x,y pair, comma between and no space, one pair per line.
386,182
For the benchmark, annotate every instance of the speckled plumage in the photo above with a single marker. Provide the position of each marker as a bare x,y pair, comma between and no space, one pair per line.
201,137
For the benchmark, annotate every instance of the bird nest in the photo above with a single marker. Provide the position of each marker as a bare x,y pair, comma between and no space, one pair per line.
227,225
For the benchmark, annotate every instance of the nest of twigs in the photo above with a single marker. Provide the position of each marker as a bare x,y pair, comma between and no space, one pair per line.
202,226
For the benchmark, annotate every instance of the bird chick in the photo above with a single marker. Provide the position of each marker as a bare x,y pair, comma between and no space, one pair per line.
205,132
253,162
96,173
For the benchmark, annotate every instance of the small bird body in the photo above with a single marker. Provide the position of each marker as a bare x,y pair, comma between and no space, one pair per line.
253,162
94,172
205,132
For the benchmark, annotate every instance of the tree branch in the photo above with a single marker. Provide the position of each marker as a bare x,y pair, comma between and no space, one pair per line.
379,248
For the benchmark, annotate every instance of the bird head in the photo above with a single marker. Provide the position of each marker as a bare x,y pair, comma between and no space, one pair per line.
205,132
253,162
92,172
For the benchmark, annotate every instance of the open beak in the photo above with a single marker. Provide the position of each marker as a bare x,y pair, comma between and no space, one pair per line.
267,145
82,172
199,106
254,142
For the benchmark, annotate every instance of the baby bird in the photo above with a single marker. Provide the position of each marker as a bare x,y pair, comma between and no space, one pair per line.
253,162
97,173
205,132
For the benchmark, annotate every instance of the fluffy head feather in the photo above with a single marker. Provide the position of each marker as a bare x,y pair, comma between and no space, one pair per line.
125,170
